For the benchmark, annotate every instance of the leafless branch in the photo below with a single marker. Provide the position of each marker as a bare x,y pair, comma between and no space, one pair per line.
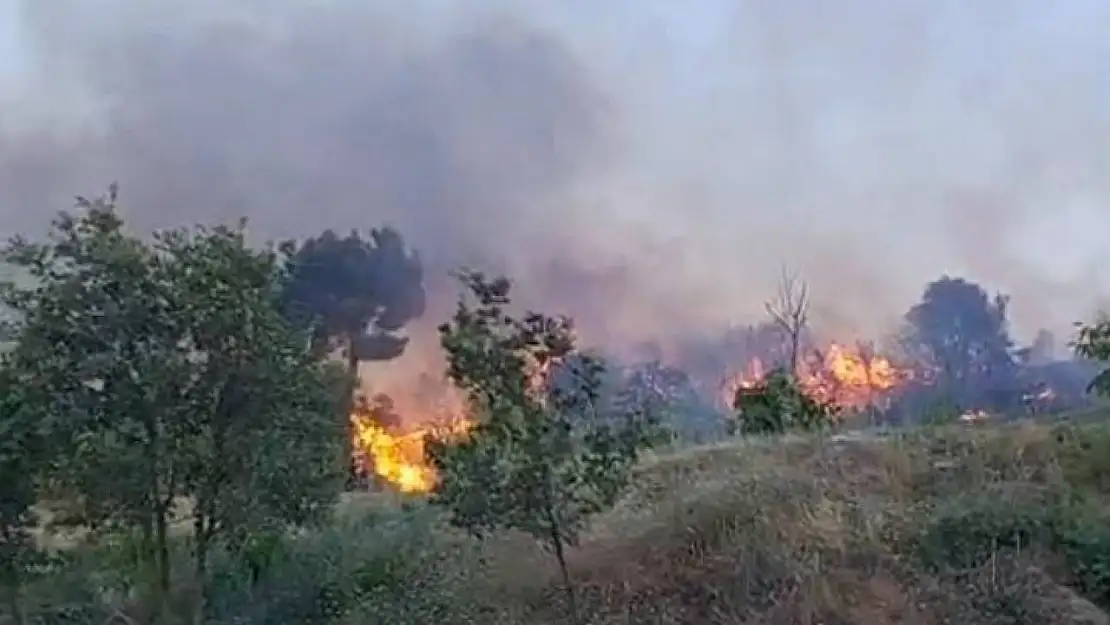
790,311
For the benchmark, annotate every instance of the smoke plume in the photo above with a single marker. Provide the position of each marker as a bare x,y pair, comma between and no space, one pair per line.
645,166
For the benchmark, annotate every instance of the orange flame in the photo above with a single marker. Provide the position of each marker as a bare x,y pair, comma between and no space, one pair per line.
385,447
845,377
389,431
398,458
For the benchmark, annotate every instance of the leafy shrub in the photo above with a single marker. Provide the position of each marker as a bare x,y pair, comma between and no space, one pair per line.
1084,542
1085,456
777,404
392,568
968,532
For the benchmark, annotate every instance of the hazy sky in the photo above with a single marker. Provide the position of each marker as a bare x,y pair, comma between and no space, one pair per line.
647,165
9,46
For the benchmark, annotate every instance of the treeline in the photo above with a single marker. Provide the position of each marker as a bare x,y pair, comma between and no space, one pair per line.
181,392
953,352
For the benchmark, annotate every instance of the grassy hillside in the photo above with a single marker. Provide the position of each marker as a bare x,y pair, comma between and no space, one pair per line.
1004,525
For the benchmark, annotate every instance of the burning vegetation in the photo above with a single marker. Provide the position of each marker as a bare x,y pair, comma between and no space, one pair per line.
358,292
387,449
840,376
985,375
390,430
398,458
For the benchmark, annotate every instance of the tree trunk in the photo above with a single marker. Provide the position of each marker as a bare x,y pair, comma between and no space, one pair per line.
146,536
559,547
355,381
202,534
795,347
14,606
162,557
155,534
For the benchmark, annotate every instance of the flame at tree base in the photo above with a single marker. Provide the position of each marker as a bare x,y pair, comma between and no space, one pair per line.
398,459
395,459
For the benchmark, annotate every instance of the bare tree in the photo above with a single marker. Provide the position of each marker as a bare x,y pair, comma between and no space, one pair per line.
790,312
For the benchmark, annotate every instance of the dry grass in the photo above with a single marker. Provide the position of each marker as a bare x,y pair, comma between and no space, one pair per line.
807,531
953,526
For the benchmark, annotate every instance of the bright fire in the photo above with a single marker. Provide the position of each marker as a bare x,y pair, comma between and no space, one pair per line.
385,448
388,446
845,377
398,458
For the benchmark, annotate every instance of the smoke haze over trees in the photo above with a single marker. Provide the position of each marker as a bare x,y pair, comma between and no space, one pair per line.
961,335
643,166
641,170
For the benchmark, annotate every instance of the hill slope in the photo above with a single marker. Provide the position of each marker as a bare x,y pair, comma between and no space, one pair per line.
999,526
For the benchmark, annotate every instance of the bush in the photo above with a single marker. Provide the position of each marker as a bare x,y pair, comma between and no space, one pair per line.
397,567
777,404
968,532
1084,543
1085,456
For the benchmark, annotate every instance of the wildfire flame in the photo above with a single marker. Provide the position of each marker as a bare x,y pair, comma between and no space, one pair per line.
386,446
398,458
842,376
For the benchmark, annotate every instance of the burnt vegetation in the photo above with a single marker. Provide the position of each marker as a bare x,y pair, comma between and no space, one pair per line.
175,448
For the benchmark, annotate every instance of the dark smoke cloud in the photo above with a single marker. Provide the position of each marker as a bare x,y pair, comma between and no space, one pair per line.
643,166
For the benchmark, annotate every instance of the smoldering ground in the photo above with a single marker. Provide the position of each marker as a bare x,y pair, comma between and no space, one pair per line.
645,166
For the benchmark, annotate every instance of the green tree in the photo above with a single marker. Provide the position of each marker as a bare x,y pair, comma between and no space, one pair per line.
960,334
539,459
263,437
1093,343
355,293
21,455
165,371
96,341
777,404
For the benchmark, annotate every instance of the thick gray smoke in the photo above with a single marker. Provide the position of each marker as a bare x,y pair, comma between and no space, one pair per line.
646,166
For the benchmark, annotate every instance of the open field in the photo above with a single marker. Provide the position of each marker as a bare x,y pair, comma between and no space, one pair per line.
993,525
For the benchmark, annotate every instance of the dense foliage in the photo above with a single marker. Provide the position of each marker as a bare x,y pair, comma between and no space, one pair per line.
777,404
355,292
959,336
167,385
21,453
1093,342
